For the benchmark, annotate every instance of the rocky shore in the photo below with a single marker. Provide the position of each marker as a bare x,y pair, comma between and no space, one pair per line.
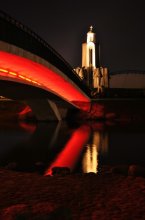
108,196
115,193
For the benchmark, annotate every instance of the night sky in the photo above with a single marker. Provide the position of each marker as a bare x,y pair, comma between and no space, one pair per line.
119,25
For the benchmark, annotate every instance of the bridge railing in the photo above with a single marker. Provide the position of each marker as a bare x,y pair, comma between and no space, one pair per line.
31,33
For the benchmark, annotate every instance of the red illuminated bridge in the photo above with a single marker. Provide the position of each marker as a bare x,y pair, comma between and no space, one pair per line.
33,71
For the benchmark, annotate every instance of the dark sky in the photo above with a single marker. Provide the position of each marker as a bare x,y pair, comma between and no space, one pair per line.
119,25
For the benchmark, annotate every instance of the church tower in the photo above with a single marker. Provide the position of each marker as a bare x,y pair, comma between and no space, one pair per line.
92,74
89,50
89,57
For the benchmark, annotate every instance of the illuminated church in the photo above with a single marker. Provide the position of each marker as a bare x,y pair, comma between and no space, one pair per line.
92,74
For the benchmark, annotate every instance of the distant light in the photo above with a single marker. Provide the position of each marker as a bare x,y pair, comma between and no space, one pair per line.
29,80
20,76
13,73
35,82
90,159
3,70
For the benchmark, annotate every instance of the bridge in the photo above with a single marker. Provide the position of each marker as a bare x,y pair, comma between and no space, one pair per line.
133,79
33,72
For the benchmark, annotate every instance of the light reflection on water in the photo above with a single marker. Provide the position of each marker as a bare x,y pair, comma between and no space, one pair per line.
85,148
72,150
90,159
98,145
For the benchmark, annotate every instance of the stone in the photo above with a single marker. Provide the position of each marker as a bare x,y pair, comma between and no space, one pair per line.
11,166
90,174
136,170
18,211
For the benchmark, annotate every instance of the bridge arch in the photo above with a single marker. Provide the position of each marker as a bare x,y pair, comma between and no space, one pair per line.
26,59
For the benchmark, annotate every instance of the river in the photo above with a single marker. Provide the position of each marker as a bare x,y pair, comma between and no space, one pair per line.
84,148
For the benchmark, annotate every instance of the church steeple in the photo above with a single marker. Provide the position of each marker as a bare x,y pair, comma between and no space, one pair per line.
95,76
91,28
88,50
91,35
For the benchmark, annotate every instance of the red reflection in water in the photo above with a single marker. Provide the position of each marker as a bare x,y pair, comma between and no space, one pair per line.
25,110
28,127
21,69
97,111
85,106
72,150
25,113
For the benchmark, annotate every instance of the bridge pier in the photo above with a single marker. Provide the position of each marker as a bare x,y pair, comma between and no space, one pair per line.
47,110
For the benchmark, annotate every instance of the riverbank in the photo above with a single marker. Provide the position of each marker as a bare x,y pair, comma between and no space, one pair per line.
75,196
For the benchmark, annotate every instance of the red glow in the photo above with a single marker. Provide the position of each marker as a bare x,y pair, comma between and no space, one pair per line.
72,150
28,127
26,113
26,110
27,70
35,82
85,106
12,73
3,70
29,80
7,72
20,76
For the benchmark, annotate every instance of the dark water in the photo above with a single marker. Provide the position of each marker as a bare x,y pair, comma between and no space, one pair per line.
83,148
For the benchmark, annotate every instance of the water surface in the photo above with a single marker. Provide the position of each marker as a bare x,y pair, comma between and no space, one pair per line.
83,148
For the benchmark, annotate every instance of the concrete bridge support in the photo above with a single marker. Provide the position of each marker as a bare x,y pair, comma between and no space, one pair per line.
47,110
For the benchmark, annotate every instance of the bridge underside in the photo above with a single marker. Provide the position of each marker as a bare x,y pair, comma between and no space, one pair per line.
21,66
36,73
44,105
46,90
